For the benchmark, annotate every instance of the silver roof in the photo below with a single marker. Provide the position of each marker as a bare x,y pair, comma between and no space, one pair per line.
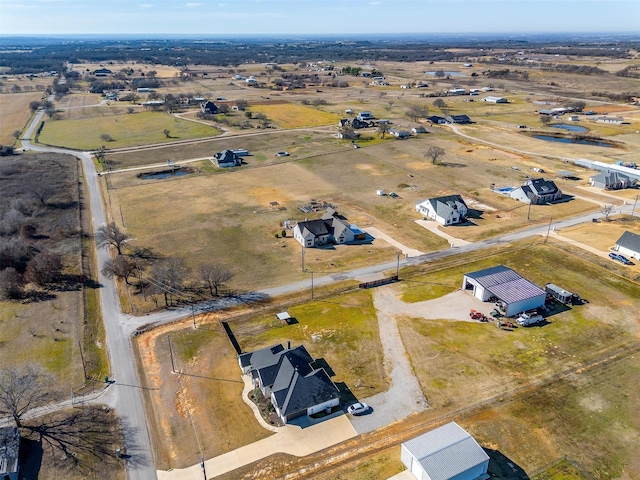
446,451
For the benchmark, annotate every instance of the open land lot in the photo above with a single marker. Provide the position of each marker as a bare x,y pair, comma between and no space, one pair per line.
49,319
125,130
15,113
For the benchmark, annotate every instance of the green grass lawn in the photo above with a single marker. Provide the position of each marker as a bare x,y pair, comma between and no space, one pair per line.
126,130
343,330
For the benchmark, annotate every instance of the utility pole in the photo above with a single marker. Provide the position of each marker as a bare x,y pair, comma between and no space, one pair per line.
193,316
311,285
84,366
303,258
529,212
548,230
398,265
634,205
173,366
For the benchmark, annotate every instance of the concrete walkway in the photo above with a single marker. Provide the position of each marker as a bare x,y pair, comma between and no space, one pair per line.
406,251
433,228
404,396
583,246
290,439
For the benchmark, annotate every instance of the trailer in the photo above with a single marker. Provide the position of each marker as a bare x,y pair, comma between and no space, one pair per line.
561,295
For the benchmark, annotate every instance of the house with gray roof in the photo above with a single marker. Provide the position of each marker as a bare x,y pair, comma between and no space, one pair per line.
447,210
629,244
296,386
227,158
514,293
460,119
537,191
446,453
612,180
331,228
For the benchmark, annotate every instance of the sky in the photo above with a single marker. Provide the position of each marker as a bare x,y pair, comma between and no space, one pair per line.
313,17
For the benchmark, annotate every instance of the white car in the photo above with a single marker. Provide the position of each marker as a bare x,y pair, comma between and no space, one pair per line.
282,154
358,408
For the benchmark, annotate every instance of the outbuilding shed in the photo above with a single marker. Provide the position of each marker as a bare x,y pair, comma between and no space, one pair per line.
446,453
517,294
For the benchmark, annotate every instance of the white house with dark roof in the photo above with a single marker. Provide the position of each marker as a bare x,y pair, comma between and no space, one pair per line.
515,293
446,453
629,244
537,191
227,158
330,228
289,377
446,210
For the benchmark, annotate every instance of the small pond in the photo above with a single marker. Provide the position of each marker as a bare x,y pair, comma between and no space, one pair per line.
451,74
577,141
571,128
165,174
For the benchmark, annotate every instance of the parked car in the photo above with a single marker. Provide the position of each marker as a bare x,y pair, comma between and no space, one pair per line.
620,258
282,154
358,408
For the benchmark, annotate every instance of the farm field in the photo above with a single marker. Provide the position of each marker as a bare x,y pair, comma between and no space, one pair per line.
15,113
125,130
288,115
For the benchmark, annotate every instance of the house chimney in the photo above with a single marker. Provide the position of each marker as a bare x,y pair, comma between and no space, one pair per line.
288,345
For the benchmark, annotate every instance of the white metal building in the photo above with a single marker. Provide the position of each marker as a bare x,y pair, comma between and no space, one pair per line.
446,453
517,293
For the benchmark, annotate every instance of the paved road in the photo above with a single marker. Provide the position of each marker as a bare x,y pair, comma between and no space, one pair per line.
128,399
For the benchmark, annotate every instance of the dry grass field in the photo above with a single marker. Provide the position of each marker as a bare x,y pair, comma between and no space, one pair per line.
201,397
15,113
163,71
288,115
602,235
125,130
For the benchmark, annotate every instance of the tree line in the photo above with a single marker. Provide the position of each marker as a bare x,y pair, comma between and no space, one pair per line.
156,276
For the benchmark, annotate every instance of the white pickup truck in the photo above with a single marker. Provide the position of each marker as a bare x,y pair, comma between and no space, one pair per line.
525,319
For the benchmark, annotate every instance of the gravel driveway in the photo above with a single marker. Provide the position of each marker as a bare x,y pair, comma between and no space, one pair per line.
404,395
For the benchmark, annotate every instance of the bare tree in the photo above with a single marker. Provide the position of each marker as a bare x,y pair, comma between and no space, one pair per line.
439,103
606,211
34,105
168,277
382,129
434,153
120,267
111,235
167,133
106,137
416,112
11,284
21,389
347,131
44,268
242,104
545,119
214,277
